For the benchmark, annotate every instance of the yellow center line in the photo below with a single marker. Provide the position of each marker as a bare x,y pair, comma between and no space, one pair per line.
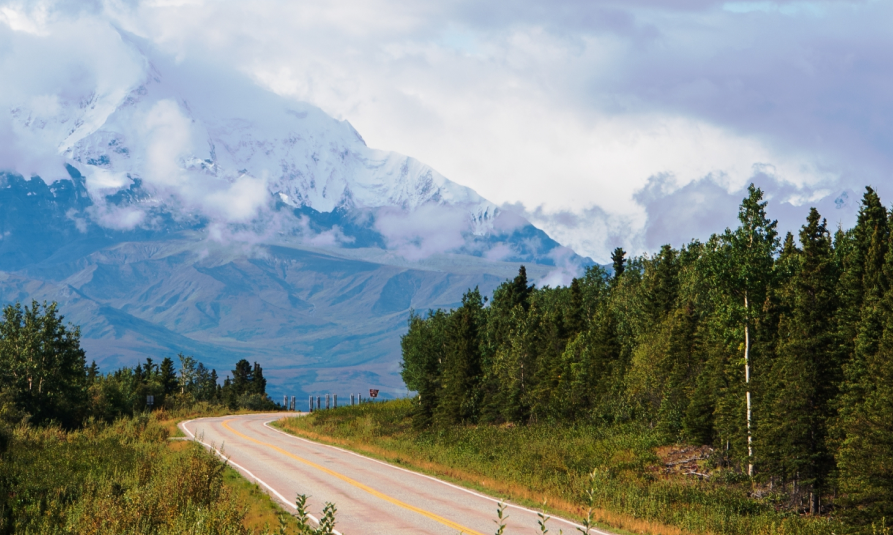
357,484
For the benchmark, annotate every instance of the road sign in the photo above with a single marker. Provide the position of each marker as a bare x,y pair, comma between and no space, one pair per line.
373,392
150,400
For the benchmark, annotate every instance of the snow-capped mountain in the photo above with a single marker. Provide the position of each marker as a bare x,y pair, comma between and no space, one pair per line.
189,211
184,141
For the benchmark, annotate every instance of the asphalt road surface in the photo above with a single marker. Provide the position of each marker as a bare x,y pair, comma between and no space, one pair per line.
372,497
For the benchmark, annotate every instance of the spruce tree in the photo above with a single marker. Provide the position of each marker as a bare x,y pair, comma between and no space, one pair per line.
662,283
804,377
519,291
861,251
423,347
576,313
168,376
258,383
462,364
618,262
865,423
242,378
864,426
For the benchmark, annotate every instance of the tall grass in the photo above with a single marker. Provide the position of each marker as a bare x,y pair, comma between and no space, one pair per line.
618,464
113,479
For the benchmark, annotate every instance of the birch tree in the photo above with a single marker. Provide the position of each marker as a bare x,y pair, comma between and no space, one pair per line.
42,364
743,269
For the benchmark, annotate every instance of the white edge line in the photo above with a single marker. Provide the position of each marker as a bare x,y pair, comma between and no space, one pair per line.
442,482
182,426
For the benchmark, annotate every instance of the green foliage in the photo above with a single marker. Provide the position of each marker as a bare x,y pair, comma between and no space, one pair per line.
806,372
775,354
42,366
110,479
326,524
611,468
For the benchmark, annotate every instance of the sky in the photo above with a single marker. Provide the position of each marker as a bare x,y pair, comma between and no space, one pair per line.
607,123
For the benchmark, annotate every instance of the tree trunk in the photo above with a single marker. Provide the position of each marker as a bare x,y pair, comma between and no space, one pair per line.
747,383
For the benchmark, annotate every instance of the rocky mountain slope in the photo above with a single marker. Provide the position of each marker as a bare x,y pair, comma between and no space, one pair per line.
207,215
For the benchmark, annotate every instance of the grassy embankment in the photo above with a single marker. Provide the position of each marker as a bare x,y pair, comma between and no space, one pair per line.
126,477
635,490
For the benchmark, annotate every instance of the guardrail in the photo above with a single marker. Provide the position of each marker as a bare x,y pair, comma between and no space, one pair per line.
329,401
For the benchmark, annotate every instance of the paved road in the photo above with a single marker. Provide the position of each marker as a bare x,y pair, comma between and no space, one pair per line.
372,497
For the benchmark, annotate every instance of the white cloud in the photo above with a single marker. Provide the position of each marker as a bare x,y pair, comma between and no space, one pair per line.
567,108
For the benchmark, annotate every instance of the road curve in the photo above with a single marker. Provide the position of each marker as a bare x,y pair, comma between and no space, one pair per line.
373,497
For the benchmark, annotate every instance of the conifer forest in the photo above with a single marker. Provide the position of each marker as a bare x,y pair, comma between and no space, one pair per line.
775,350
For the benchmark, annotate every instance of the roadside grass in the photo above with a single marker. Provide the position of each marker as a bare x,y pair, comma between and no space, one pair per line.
262,513
125,477
526,464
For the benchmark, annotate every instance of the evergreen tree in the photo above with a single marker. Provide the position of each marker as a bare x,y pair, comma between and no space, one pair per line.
804,377
862,282
168,376
519,291
424,348
662,283
864,426
458,397
242,378
618,262
576,314
865,422
258,383
92,372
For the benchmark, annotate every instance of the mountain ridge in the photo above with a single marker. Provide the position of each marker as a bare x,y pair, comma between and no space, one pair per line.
241,224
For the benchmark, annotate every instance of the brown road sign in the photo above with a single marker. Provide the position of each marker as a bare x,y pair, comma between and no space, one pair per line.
373,392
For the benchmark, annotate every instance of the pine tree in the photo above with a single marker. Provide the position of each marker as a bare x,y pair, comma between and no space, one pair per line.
576,313
864,426
242,378
618,262
167,376
92,372
804,377
865,455
258,383
519,291
462,364
662,283
424,347
862,283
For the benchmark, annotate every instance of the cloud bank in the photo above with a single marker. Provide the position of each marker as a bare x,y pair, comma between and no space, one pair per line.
607,123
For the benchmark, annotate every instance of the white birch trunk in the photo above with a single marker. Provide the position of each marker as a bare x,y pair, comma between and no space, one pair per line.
747,383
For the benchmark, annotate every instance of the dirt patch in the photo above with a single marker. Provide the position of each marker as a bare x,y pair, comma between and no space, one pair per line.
684,461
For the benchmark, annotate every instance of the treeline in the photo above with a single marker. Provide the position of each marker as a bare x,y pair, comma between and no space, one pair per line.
44,377
777,352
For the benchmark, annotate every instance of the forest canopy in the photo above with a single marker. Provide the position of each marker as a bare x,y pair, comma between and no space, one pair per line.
776,351
44,377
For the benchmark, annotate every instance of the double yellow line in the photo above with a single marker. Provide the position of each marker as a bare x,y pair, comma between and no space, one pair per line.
357,484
